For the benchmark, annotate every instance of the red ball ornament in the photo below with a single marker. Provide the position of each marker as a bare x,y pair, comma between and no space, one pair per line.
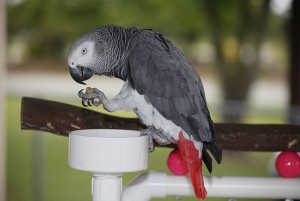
176,163
288,164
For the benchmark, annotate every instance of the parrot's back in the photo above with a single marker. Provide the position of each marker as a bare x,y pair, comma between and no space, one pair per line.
160,71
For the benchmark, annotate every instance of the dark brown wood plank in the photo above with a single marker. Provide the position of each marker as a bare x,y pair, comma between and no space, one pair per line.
258,137
61,119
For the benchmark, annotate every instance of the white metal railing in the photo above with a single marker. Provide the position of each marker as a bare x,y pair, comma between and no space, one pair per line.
160,185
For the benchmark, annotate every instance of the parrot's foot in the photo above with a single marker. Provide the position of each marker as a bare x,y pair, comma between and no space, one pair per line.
151,143
158,135
161,137
91,97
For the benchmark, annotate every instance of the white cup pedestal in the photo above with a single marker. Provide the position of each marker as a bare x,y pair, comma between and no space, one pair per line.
108,153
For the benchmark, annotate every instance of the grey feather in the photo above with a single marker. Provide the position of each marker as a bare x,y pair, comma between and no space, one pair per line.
164,75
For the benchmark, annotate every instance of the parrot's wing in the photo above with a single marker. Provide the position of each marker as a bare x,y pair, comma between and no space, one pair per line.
158,70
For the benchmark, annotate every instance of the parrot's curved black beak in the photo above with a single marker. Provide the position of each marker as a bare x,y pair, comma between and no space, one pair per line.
80,73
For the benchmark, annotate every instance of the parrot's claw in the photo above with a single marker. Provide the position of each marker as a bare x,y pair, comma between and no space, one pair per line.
81,94
90,102
151,143
87,103
91,97
83,103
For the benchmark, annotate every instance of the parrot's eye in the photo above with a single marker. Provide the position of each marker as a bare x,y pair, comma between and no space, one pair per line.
84,50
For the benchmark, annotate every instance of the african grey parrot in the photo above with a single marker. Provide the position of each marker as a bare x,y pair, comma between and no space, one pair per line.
161,87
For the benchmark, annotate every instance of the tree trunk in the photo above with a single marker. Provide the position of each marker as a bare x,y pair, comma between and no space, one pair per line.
295,63
236,76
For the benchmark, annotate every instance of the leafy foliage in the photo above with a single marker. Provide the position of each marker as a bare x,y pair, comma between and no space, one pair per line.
49,26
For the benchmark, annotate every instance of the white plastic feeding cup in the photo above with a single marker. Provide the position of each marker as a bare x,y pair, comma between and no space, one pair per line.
108,153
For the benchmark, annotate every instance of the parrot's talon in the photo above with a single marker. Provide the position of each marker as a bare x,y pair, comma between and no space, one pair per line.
90,102
83,103
81,94
151,143
151,146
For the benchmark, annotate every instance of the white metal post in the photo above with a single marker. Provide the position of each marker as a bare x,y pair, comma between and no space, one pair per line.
106,187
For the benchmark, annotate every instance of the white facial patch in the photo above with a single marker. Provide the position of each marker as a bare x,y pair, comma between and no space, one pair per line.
83,55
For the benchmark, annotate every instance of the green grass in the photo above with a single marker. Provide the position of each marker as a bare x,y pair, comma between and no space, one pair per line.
61,183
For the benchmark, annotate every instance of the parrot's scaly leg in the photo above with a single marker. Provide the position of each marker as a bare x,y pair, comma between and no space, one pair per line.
149,133
161,137
158,135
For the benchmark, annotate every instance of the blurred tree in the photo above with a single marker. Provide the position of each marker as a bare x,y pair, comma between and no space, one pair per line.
50,26
47,26
238,29
294,113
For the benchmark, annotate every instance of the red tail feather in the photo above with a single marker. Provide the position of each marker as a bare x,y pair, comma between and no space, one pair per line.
194,164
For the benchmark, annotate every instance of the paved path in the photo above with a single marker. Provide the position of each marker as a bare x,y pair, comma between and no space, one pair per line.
263,93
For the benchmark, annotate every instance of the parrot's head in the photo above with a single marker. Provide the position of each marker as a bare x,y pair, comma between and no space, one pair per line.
93,53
